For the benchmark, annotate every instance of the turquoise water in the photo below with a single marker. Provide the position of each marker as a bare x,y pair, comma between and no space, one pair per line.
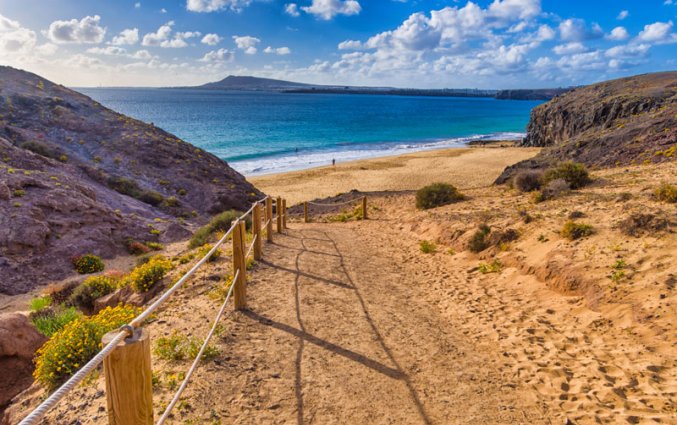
262,132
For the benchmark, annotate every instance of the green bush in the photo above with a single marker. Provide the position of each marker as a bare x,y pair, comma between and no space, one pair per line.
125,186
528,180
666,193
40,303
575,174
92,288
179,346
204,250
71,347
151,197
131,188
220,222
479,241
573,230
436,195
41,149
88,263
493,267
171,202
145,276
427,247
51,320
552,190
137,248
155,246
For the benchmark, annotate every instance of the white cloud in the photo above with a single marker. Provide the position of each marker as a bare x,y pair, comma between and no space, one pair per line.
211,39
14,38
108,51
569,48
179,39
157,37
246,43
628,51
327,9
142,54
515,9
137,5
618,33
163,37
544,33
350,45
163,10
622,15
292,9
86,30
204,6
220,55
658,32
46,49
576,30
127,36
278,51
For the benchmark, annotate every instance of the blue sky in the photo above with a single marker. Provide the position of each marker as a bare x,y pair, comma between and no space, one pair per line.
414,43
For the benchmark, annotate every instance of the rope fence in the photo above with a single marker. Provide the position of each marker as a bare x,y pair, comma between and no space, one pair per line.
126,351
306,215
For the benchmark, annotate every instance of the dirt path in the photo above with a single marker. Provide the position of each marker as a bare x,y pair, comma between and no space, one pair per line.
335,333
349,323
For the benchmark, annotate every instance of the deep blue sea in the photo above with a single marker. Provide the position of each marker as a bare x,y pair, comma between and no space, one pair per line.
262,132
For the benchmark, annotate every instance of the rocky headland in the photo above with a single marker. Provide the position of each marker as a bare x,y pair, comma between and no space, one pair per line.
628,121
77,178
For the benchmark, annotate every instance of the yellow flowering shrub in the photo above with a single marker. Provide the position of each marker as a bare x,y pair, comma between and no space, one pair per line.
74,345
92,288
204,250
145,276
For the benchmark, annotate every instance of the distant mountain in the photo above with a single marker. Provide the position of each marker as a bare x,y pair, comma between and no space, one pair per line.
249,83
234,82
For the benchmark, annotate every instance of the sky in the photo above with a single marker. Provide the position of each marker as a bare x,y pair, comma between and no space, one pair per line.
489,44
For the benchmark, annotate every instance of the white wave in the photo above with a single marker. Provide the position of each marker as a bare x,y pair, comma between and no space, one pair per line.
310,159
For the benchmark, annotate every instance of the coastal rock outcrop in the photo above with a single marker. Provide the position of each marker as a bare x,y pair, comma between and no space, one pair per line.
620,122
76,177
18,341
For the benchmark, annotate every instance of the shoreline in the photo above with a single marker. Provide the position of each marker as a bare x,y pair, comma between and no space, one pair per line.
468,167
308,158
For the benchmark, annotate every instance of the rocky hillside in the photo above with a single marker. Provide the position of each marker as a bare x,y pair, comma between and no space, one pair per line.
626,121
76,177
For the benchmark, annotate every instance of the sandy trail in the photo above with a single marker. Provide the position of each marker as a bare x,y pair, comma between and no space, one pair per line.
345,322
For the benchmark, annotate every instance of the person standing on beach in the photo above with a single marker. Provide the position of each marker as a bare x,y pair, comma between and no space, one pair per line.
333,162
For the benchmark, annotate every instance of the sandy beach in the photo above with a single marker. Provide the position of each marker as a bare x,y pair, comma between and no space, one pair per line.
463,167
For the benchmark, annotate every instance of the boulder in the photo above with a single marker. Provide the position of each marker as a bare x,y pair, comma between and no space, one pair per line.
19,340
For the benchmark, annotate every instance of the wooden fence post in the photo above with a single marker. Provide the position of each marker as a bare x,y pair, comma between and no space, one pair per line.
256,225
269,219
305,212
278,210
364,208
284,213
129,388
239,262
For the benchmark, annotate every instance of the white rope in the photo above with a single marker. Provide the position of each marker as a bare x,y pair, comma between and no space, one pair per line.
249,251
184,384
146,313
74,380
80,375
336,204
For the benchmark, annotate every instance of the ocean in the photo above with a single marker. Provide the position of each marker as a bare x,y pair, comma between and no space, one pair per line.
267,132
